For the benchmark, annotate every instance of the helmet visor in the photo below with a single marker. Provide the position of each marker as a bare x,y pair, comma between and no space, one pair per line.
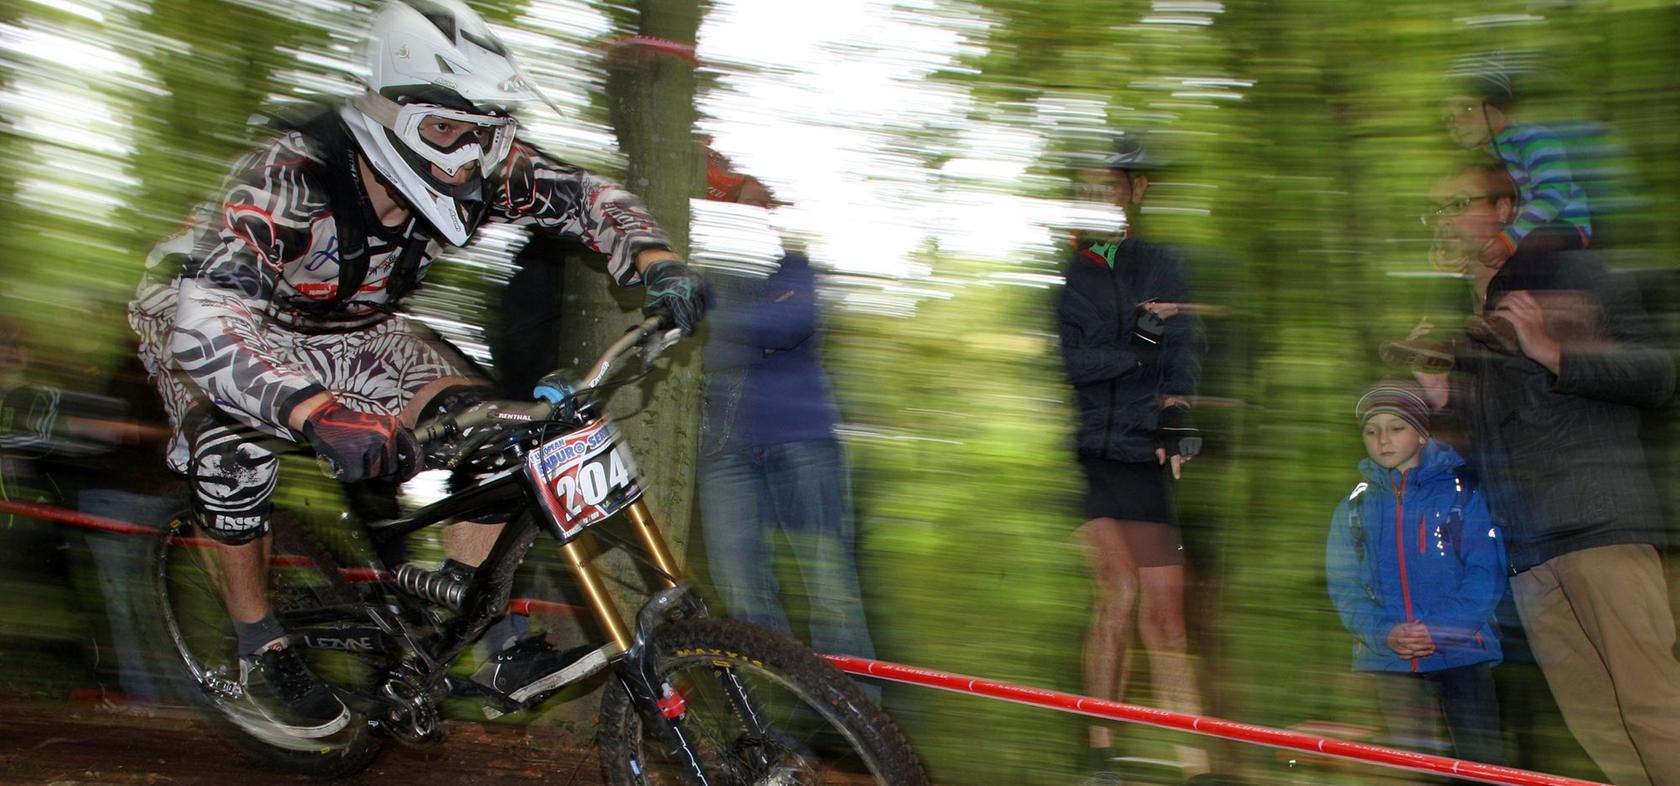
447,138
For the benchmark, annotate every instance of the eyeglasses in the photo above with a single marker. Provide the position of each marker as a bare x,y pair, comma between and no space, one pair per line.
1449,208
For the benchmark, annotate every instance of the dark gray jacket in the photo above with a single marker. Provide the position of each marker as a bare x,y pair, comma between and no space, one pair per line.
1119,388
1560,455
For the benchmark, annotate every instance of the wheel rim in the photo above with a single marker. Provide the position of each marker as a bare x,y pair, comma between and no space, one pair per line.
202,635
808,741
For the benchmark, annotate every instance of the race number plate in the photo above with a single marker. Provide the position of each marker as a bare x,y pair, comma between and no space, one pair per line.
583,477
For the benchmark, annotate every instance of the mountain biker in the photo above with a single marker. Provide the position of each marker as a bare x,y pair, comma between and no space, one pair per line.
275,316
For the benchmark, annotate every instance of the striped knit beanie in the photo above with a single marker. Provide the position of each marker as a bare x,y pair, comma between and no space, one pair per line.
1398,397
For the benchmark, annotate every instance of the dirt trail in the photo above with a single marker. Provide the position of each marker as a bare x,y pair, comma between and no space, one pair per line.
43,743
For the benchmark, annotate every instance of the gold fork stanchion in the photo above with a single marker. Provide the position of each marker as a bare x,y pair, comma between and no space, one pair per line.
578,555
654,541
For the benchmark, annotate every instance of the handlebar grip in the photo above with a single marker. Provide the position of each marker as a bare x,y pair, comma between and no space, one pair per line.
431,431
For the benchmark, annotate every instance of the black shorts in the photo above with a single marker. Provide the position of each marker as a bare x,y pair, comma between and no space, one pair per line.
1128,491
1138,495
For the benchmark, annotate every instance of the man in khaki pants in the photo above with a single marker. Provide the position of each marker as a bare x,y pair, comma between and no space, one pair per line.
1554,414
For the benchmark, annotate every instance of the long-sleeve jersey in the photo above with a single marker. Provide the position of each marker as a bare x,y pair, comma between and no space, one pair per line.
1547,193
261,266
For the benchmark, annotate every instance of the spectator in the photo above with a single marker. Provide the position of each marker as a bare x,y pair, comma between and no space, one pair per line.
47,437
130,483
1551,389
1419,599
28,418
770,459
1133,353
1551,211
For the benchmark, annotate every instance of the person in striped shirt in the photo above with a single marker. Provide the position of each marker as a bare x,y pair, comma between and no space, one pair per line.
1552,210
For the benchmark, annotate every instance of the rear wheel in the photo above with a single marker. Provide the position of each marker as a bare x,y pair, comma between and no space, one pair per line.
803,721
305,589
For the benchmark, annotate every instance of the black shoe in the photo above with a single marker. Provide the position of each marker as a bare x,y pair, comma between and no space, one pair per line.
532,667
280,686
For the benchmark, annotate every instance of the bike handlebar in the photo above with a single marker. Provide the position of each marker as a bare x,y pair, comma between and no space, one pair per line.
527,411
519,411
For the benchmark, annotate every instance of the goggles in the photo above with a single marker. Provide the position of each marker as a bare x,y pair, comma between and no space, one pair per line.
447,138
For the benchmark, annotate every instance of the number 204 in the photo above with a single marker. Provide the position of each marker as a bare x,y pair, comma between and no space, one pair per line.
589,484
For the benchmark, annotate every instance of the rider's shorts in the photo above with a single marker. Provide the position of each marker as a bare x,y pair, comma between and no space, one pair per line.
232,459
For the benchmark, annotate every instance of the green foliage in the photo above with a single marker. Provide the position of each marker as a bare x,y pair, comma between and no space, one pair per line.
963,488
1307,135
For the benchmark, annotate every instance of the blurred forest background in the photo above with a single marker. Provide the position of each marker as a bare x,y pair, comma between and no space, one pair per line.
1305,136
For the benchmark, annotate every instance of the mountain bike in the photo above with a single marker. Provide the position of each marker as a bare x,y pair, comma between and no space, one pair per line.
691,699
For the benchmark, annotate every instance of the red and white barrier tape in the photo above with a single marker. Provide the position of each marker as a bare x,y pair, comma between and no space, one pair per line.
1212,727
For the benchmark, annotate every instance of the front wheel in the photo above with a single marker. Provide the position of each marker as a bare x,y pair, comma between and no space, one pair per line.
802,721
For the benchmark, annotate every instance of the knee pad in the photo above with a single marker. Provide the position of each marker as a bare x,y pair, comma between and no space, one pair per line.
451,400
233,480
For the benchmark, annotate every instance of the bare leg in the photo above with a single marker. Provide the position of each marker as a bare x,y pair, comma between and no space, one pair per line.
465,542
1111,619
1161,627
244,578
469,543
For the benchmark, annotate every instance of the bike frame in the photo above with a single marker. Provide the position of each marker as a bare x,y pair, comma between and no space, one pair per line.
487,593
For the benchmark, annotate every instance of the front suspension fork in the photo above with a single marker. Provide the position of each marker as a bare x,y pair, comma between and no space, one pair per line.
661,708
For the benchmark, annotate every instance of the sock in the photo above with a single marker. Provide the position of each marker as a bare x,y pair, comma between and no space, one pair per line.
254,637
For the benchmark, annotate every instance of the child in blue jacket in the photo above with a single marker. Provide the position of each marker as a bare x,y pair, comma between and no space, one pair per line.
1415,568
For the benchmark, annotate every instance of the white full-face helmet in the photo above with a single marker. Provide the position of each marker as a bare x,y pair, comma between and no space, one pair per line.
439,92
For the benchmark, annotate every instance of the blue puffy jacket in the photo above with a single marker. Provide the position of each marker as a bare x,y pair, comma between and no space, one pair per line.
1443,565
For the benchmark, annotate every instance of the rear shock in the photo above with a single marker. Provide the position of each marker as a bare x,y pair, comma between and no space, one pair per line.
431,585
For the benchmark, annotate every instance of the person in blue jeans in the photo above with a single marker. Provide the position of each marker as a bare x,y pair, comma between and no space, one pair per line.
1416,567
770,461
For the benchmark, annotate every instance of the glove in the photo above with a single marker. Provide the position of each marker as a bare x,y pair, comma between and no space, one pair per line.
1147,331
1175,434
361,445
677,293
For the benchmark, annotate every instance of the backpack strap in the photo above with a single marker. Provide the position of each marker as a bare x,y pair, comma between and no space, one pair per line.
1356,527
345,196
1465,487
349,202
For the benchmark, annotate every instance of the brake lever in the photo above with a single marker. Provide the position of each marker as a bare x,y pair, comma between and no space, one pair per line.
657,345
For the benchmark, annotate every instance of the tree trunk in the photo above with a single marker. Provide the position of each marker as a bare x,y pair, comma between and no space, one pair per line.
651,104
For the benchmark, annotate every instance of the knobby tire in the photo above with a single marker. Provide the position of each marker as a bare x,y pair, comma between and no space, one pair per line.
198,629
838,736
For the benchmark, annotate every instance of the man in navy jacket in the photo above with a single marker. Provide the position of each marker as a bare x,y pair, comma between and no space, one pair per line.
770,460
